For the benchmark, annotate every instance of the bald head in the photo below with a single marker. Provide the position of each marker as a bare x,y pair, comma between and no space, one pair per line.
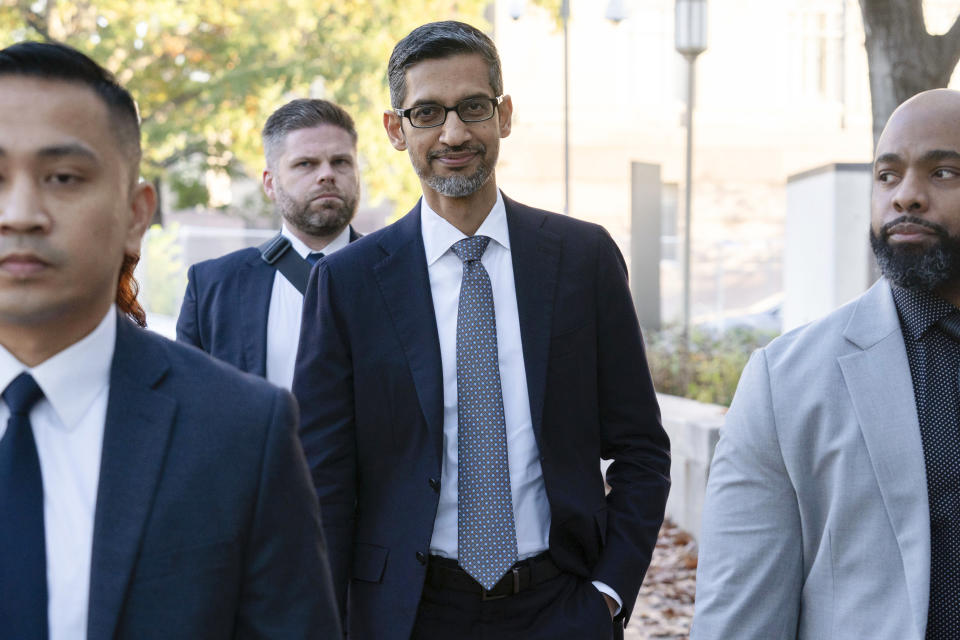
915,206
935,112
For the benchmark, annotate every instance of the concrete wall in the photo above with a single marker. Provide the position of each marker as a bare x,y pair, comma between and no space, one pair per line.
827,256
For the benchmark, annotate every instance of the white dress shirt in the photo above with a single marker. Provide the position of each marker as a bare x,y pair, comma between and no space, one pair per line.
286,308
68,424
531,509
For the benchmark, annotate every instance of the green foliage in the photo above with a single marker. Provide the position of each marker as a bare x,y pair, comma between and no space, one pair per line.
207,74
707,370
162,273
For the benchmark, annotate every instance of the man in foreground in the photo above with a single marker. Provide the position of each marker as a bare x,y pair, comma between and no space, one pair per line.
147,491
245,307
832,507
461,373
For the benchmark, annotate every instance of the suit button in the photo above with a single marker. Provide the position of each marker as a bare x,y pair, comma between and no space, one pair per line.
434,484
421,557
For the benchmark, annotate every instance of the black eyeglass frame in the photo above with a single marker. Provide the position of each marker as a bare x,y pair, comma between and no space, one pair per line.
405,113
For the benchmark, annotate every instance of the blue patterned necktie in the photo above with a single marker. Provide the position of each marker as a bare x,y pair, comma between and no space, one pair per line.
313,257
486,535
23,556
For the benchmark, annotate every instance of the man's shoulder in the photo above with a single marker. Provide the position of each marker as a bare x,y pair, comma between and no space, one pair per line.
228,262
194,376
867,318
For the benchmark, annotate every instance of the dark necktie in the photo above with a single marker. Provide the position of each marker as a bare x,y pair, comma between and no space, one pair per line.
314,256
950,325
487,537
23,558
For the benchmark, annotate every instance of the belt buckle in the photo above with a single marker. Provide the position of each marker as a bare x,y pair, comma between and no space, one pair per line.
485,595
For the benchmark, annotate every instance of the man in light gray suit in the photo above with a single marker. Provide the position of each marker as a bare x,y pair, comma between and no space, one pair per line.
833,504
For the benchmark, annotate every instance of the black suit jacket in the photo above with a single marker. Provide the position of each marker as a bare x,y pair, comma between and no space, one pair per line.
225,308
369,383
206,525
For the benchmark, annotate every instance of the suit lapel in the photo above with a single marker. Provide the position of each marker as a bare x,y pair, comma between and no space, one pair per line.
136,435
881,390
535,253
405,286
256,282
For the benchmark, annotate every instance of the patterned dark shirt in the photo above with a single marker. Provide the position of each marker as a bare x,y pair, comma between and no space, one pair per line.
935,366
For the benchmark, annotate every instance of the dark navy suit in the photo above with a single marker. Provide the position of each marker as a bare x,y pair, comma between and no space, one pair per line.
225,308
206,525
369,383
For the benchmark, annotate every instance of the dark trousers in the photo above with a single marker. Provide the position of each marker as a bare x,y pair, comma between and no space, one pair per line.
567,607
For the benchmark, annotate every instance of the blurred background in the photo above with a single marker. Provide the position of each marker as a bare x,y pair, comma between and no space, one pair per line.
726,146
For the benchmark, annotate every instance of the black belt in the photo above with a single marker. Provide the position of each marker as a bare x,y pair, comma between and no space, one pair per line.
444,573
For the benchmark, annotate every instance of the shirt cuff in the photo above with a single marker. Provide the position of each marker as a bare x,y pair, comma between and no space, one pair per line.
606,590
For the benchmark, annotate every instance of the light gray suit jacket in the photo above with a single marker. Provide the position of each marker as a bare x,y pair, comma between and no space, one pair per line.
816,523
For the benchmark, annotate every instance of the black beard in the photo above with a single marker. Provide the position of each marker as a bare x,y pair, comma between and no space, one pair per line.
918,268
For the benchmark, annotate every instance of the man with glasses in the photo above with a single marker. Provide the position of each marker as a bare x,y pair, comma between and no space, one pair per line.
460,375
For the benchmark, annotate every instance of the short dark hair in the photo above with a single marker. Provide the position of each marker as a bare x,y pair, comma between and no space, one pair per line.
303,113
56,61
440,40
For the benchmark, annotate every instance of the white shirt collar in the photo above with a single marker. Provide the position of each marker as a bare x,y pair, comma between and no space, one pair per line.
342,240
439,235
72,379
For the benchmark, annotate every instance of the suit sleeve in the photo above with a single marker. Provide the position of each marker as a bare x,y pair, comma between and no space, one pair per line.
188,330
749,575
323,385
631,434
287,591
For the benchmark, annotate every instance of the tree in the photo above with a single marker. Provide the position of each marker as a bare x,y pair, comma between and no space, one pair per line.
207,74
903,57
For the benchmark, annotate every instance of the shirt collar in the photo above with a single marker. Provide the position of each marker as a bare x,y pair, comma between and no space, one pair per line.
439,235
342,240
72,379
919,310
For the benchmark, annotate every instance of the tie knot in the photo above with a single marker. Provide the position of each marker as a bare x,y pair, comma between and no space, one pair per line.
472,248
21,394
314,256
950,325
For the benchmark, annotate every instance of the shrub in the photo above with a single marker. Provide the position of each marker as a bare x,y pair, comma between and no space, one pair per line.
709,368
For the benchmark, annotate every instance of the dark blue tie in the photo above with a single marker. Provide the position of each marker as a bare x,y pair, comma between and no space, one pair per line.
314,256
23,557
486,534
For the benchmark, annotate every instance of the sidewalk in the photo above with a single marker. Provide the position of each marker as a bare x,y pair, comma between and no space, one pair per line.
665,606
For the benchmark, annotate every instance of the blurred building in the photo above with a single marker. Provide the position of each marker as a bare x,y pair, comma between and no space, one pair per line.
782,88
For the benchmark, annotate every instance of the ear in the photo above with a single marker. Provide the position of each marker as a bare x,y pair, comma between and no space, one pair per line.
268,184
505,116
143,204
394,126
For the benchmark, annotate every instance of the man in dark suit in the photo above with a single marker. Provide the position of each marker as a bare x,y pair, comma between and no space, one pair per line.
244,308
147,490
461,373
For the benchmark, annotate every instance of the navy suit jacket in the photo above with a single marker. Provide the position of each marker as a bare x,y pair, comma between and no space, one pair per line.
206,524
225,308
369,383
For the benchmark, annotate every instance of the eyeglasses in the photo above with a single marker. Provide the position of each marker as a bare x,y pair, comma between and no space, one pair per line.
425,116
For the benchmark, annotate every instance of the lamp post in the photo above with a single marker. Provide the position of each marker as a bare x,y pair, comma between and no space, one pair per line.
690,41
615,13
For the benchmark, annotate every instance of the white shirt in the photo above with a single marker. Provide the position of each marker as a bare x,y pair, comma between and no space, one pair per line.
531,509
286,308
68,424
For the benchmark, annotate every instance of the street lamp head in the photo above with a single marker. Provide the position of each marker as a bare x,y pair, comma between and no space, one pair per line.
616,11
691,27
517,8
